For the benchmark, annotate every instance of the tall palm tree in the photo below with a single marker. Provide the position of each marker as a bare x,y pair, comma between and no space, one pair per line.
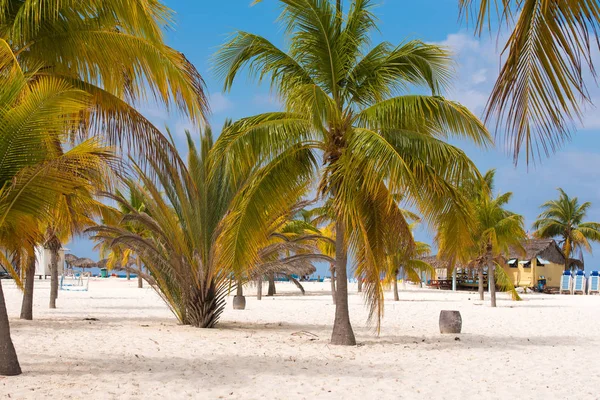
33,116
348,102
541,87
564,219
201,227
114,51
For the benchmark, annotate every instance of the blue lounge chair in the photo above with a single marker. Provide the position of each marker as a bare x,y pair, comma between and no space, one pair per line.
594,282
579,282
566,283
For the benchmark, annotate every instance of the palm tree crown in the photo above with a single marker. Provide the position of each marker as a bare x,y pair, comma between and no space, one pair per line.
564,218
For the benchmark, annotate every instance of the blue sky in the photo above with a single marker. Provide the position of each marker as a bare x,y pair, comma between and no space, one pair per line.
202,26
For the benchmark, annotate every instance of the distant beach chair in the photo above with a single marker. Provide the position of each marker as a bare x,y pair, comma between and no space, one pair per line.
75,283
579,282
594,282
566,283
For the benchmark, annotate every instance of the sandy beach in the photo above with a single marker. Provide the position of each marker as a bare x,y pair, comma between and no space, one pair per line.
543,347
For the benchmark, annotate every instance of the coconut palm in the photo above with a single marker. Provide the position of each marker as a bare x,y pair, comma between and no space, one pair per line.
348,102
564,219
294,245
412,265
71,215
112,50
34,115
495,233
542,82
191,249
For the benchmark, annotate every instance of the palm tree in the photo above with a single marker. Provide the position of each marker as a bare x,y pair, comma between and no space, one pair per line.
201,227
70,216
412,265
112,50
564,219
33,116
496,231
541,86
349,103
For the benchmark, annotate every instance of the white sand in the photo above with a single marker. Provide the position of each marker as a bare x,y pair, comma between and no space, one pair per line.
543,347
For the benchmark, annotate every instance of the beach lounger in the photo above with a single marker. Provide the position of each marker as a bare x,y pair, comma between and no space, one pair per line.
566,283
579,282
594,282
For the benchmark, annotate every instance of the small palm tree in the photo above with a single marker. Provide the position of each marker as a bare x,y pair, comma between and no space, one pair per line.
496,231
347,101
564,219
199,227
412,265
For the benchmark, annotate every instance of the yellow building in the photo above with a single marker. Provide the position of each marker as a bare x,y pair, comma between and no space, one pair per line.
542,258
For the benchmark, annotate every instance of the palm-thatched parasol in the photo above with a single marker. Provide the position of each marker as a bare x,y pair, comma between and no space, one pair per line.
84,263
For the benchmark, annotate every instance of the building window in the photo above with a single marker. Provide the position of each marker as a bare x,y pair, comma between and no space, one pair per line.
513,263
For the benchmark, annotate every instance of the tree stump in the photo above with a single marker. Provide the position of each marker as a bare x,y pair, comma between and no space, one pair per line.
239,302
450,321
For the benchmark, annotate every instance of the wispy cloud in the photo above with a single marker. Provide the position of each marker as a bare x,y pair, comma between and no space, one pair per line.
220,103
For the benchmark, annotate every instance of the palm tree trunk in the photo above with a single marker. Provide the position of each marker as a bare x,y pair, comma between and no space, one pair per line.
27,305
239,290
271,291
359,284
342,329
128,275
9,363
259,288
396,296
139,275
53,276
480,272
332,270
492,280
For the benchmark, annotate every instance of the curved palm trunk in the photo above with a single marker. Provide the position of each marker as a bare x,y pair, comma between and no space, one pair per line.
342,329
128,275
27,305
259,288
271,291
9,363
332,270
298,284
396,296
53,276
480,272
492,280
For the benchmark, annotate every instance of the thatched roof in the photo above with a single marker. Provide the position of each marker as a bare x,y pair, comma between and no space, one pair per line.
84,263
435,262
542,248
70,258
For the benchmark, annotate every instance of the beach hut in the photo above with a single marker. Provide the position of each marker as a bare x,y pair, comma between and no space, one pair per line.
42,261
543,259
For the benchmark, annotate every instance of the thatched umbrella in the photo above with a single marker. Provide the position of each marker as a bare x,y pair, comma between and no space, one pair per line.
70,259
84,263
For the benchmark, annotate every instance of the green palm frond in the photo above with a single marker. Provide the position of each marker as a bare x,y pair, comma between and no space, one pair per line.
541,86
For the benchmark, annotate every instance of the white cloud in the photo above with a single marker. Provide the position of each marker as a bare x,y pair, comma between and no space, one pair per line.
220,103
